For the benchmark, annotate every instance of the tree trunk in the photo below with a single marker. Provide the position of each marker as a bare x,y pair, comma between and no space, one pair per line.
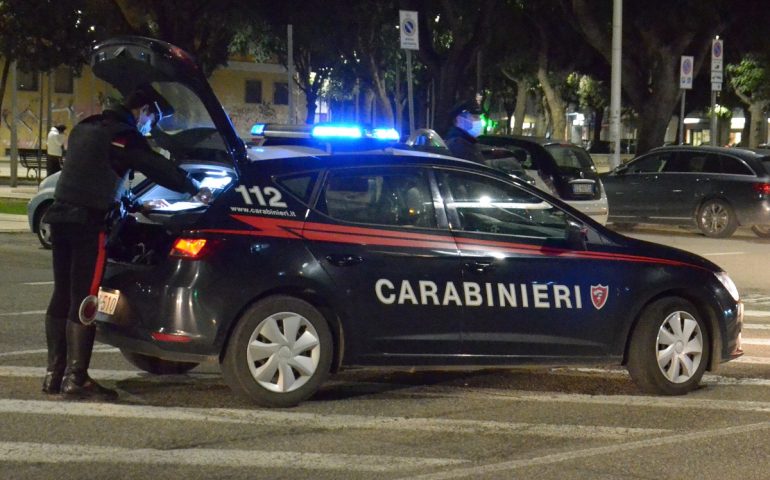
4,82
758,132
310,99
381,90
554,101
597,128
522,89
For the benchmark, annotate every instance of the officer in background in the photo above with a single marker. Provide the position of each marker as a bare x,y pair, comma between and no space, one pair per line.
103,149
55,149
467,125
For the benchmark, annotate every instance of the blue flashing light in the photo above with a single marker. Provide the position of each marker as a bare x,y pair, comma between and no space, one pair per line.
258,129
337,131
386,134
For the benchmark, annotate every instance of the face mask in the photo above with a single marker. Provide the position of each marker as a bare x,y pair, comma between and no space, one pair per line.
476,128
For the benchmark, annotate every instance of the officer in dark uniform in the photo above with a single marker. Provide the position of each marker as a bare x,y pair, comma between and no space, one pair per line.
103,149
466,126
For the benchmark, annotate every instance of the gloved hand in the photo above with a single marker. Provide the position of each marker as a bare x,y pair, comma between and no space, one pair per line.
204,195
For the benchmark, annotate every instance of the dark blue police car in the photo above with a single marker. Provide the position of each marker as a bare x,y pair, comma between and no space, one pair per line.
309,260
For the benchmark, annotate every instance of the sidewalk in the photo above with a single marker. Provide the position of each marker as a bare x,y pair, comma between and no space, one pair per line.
24,190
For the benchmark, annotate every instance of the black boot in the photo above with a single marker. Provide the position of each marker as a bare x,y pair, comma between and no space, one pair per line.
76,383
56,339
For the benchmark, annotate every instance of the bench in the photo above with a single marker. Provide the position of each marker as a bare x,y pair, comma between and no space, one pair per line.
28,159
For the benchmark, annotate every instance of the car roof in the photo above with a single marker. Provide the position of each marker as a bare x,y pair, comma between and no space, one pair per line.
303,158
736,151
542,141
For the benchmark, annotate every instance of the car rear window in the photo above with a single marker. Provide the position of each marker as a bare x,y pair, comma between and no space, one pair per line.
569,158
766,165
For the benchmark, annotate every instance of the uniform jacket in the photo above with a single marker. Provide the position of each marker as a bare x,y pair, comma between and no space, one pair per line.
463,145
102,150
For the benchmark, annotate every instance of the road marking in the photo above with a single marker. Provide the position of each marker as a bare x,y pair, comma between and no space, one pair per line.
756,326
21,353
752,360
664,402
38,283
32,312
26,452
683,439
756,341
717,254
319,421
756,313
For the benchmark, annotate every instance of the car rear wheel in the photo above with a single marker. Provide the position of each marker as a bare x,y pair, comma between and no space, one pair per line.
43,228
280,352
157,366
762,231
717,219
669,348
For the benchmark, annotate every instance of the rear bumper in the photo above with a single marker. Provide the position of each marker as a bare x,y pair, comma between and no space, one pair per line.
596,209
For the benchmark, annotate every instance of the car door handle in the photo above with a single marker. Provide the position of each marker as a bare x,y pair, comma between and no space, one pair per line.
344,260
479,266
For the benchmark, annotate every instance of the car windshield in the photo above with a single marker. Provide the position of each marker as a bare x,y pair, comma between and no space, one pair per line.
569,158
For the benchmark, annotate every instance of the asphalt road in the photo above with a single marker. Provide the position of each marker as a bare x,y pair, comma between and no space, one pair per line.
545,423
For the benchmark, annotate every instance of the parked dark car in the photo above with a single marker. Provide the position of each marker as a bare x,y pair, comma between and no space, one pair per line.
715,189
564,170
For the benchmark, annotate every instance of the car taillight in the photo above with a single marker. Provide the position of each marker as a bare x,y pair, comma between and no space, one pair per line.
762,188
191,248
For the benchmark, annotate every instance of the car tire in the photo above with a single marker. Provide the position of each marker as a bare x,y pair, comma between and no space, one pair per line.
716,219
279,353
43,229
157,366
762,231
669,348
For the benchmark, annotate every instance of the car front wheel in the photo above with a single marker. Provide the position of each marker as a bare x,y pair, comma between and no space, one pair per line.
669,348
762,231
717,219
43,228
279,353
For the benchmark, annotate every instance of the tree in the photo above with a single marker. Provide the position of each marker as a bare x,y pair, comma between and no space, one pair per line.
750,80
451,36
653,44
41,42
204,28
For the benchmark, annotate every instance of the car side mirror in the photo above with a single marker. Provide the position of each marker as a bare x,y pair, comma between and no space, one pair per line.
621,169
577,236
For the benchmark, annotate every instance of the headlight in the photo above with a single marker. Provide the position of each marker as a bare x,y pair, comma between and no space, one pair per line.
728,283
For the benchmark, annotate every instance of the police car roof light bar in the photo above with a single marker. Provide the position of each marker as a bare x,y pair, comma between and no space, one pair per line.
337,131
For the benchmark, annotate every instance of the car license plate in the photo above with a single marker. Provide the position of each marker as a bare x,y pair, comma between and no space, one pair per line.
108,300
582,188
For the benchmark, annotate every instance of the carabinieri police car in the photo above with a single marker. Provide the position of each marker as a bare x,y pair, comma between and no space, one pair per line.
310,259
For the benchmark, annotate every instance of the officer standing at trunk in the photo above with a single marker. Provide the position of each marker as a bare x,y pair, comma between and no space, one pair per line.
103,149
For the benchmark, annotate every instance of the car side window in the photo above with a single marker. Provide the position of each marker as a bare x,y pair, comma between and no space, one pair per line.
398,197
734,166
487,205
650,164
300,185
693,162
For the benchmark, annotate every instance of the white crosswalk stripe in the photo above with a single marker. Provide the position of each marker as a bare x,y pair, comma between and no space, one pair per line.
27,452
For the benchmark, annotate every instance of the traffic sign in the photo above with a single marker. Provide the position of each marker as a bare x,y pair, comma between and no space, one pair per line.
716,86
717,54
410,33
716,77
685,72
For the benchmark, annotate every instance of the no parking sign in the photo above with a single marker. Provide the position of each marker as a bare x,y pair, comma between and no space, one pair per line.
410,37
685,72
